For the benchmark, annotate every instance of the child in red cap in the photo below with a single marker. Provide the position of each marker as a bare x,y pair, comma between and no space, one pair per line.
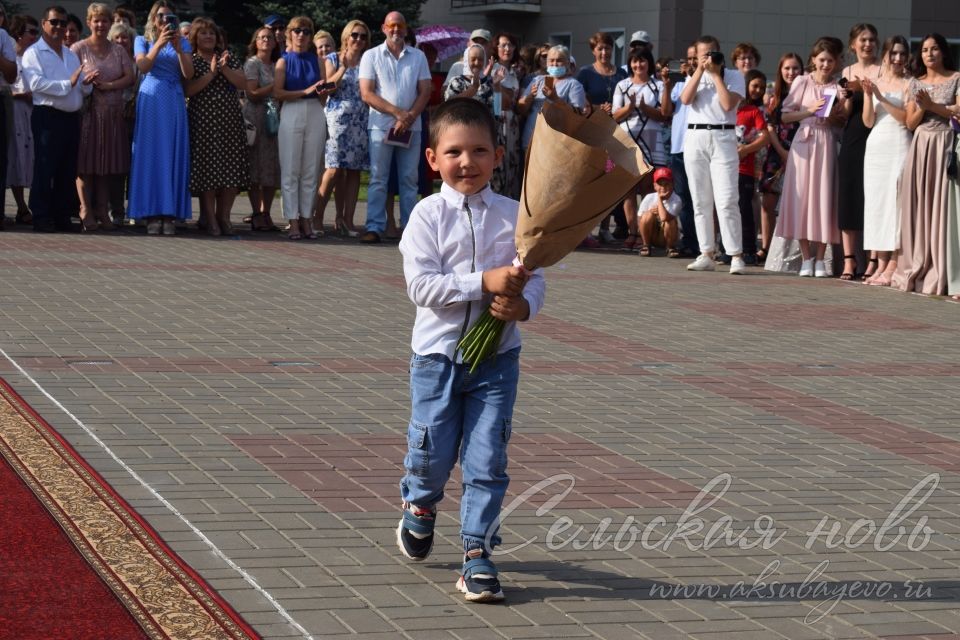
658,215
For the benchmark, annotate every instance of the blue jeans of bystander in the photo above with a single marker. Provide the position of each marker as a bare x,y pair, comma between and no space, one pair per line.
408,168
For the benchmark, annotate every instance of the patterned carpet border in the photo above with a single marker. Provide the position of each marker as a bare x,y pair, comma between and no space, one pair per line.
167,598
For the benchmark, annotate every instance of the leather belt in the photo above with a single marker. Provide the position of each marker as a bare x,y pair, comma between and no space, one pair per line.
711,127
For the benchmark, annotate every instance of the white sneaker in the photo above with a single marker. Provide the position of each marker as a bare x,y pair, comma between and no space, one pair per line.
702,263
820,269
169,228
153,228
605,236
806,268
737,266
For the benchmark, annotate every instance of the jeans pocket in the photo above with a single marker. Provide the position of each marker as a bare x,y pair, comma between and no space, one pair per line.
417,460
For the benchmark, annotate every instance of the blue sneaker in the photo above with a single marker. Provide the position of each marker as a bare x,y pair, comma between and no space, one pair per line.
415,531
478,580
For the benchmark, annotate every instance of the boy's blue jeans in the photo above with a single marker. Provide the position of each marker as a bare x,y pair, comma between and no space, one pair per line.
467,416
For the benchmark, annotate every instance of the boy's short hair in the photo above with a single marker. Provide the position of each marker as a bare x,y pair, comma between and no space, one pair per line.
463,111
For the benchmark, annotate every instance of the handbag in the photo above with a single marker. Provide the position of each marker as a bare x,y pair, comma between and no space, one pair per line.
272,117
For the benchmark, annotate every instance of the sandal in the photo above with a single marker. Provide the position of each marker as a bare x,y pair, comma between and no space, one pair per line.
847,276
762,255
24,216
673,253
874,262
629,243
645,250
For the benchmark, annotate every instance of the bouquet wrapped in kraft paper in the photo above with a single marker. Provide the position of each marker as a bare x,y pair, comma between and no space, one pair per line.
577,169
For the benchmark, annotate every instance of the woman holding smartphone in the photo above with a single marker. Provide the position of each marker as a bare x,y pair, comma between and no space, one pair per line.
160,166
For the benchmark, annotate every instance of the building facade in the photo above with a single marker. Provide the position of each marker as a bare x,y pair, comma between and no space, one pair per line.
773,26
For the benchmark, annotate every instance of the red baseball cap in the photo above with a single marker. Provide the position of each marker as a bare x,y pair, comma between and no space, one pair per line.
663,173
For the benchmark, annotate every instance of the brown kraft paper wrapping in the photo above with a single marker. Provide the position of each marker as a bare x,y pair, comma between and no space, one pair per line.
566,188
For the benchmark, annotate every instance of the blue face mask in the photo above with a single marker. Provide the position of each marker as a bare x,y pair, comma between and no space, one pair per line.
556,72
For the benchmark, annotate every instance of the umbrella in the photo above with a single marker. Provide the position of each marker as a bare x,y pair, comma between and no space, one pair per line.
448,40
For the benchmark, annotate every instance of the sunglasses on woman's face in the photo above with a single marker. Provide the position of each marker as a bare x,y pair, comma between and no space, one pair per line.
32,32
356,35
299,32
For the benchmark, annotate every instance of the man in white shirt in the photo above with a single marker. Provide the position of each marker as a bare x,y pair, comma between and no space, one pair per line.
54,76
395,83
710,154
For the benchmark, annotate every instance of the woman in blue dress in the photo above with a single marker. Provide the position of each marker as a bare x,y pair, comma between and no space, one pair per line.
160,166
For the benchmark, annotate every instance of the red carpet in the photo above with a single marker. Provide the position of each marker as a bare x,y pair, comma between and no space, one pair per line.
76,562
49,591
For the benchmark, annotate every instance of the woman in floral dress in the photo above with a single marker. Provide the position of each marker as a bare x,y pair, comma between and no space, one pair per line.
346,152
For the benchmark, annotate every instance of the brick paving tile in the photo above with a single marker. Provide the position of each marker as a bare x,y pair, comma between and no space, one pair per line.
274,421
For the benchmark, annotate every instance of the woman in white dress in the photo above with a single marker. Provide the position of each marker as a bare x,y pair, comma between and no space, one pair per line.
884,112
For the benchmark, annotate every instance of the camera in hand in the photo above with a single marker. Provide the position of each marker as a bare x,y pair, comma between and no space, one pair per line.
171,21
716,57
842,83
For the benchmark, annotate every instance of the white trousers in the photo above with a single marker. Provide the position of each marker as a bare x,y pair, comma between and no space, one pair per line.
302,136
712,164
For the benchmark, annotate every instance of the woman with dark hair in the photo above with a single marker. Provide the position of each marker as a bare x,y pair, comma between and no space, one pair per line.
884,113
641,104
925,186
160,164
219,166
863,43
264,154
780,135
809,215
104,156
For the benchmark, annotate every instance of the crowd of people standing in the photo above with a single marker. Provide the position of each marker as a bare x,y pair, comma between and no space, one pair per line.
119,126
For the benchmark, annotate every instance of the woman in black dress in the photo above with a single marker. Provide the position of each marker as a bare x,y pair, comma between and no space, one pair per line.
863,42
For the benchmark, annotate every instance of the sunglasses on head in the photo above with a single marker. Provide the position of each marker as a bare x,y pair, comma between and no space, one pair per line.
357,35
299,32
56,22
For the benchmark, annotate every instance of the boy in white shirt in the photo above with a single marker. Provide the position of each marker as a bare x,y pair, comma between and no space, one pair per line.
457,252
658,215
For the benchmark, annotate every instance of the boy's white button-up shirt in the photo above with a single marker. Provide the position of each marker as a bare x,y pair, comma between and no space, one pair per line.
445,251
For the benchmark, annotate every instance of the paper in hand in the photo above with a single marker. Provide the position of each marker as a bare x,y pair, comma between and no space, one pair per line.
830,93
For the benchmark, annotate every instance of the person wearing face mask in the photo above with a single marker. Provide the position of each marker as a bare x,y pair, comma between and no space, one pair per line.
556,86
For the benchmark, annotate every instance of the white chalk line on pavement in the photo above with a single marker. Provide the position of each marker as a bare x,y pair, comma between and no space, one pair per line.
166,503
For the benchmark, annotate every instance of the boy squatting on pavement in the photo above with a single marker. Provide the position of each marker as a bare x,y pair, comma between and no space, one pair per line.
457,252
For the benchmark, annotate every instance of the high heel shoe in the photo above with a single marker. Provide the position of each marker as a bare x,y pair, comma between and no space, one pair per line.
343,230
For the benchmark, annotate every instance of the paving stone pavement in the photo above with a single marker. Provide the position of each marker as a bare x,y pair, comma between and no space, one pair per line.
259,386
